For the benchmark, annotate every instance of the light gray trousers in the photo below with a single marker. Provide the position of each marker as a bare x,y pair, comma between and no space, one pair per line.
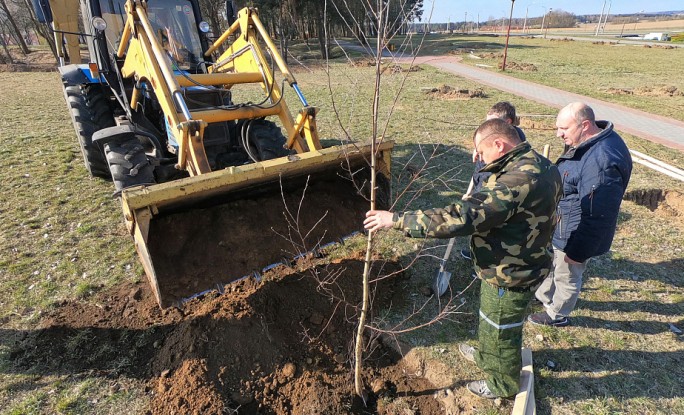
560,290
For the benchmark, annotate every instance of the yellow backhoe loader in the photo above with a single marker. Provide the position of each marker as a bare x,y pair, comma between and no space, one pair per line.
212,190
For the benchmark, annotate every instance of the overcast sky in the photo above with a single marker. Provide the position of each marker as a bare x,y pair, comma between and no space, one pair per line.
455,10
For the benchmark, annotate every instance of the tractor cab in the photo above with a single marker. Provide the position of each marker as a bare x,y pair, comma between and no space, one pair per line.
175,26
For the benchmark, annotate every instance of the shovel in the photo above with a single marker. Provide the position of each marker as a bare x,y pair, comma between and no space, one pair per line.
441,281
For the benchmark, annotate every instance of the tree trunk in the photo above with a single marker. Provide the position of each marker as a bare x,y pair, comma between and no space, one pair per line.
283,35
7,52
323,42
320,29
20,39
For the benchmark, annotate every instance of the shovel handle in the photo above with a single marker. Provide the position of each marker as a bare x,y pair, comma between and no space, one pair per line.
449,247
443,262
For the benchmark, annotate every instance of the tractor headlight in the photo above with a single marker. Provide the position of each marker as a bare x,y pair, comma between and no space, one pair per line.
99,24
204,27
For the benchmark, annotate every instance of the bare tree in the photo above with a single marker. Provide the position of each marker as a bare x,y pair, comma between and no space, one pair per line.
386,26
18,36
42,30
8,56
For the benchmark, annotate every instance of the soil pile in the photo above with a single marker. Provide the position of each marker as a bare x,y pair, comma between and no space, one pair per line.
516,66
279,346
397,69
491,55
449,92
537,123
654,91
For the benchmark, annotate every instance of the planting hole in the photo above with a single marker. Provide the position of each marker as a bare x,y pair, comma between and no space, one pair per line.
670,203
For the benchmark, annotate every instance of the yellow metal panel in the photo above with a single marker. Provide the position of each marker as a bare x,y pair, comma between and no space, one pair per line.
239,177
219,79
142,224
218,115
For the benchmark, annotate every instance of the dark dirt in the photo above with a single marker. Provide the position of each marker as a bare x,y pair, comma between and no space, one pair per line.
194,250
280,346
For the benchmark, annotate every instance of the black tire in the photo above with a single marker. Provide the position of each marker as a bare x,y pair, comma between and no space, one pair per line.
128,164
90,112
266,140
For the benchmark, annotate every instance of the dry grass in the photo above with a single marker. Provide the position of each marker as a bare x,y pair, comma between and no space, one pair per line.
62,237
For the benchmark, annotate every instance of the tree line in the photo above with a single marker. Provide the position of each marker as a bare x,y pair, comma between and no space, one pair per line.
318,20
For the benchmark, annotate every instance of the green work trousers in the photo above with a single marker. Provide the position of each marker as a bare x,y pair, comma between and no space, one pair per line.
502,314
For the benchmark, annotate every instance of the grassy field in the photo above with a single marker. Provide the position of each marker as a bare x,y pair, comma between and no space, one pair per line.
63,238
645,78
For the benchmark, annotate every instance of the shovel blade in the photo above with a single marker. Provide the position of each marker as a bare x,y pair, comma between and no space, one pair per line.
441,283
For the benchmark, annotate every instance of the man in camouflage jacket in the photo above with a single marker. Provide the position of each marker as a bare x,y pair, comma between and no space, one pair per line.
511,220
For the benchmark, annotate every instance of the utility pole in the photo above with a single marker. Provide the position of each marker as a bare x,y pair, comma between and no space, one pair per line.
637,20
548,23
508,35
543,20
605,20
600,17
465,23
525,23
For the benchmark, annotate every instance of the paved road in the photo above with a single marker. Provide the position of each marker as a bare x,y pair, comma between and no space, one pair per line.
665,131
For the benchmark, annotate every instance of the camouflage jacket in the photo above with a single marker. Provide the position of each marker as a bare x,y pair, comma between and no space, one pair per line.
511,219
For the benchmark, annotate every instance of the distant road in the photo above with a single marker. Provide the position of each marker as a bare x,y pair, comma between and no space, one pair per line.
662,130
658,129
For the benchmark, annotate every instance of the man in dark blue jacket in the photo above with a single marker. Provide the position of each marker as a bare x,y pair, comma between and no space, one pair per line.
595,169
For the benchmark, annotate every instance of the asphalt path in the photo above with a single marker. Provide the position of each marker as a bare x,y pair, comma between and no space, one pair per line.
666,131
663,130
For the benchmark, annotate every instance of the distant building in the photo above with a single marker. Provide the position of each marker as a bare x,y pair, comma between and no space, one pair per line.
657,36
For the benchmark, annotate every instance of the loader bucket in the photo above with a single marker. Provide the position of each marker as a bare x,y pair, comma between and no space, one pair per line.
203,232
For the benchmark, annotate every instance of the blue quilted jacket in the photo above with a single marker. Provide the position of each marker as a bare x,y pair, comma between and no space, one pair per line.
595,175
